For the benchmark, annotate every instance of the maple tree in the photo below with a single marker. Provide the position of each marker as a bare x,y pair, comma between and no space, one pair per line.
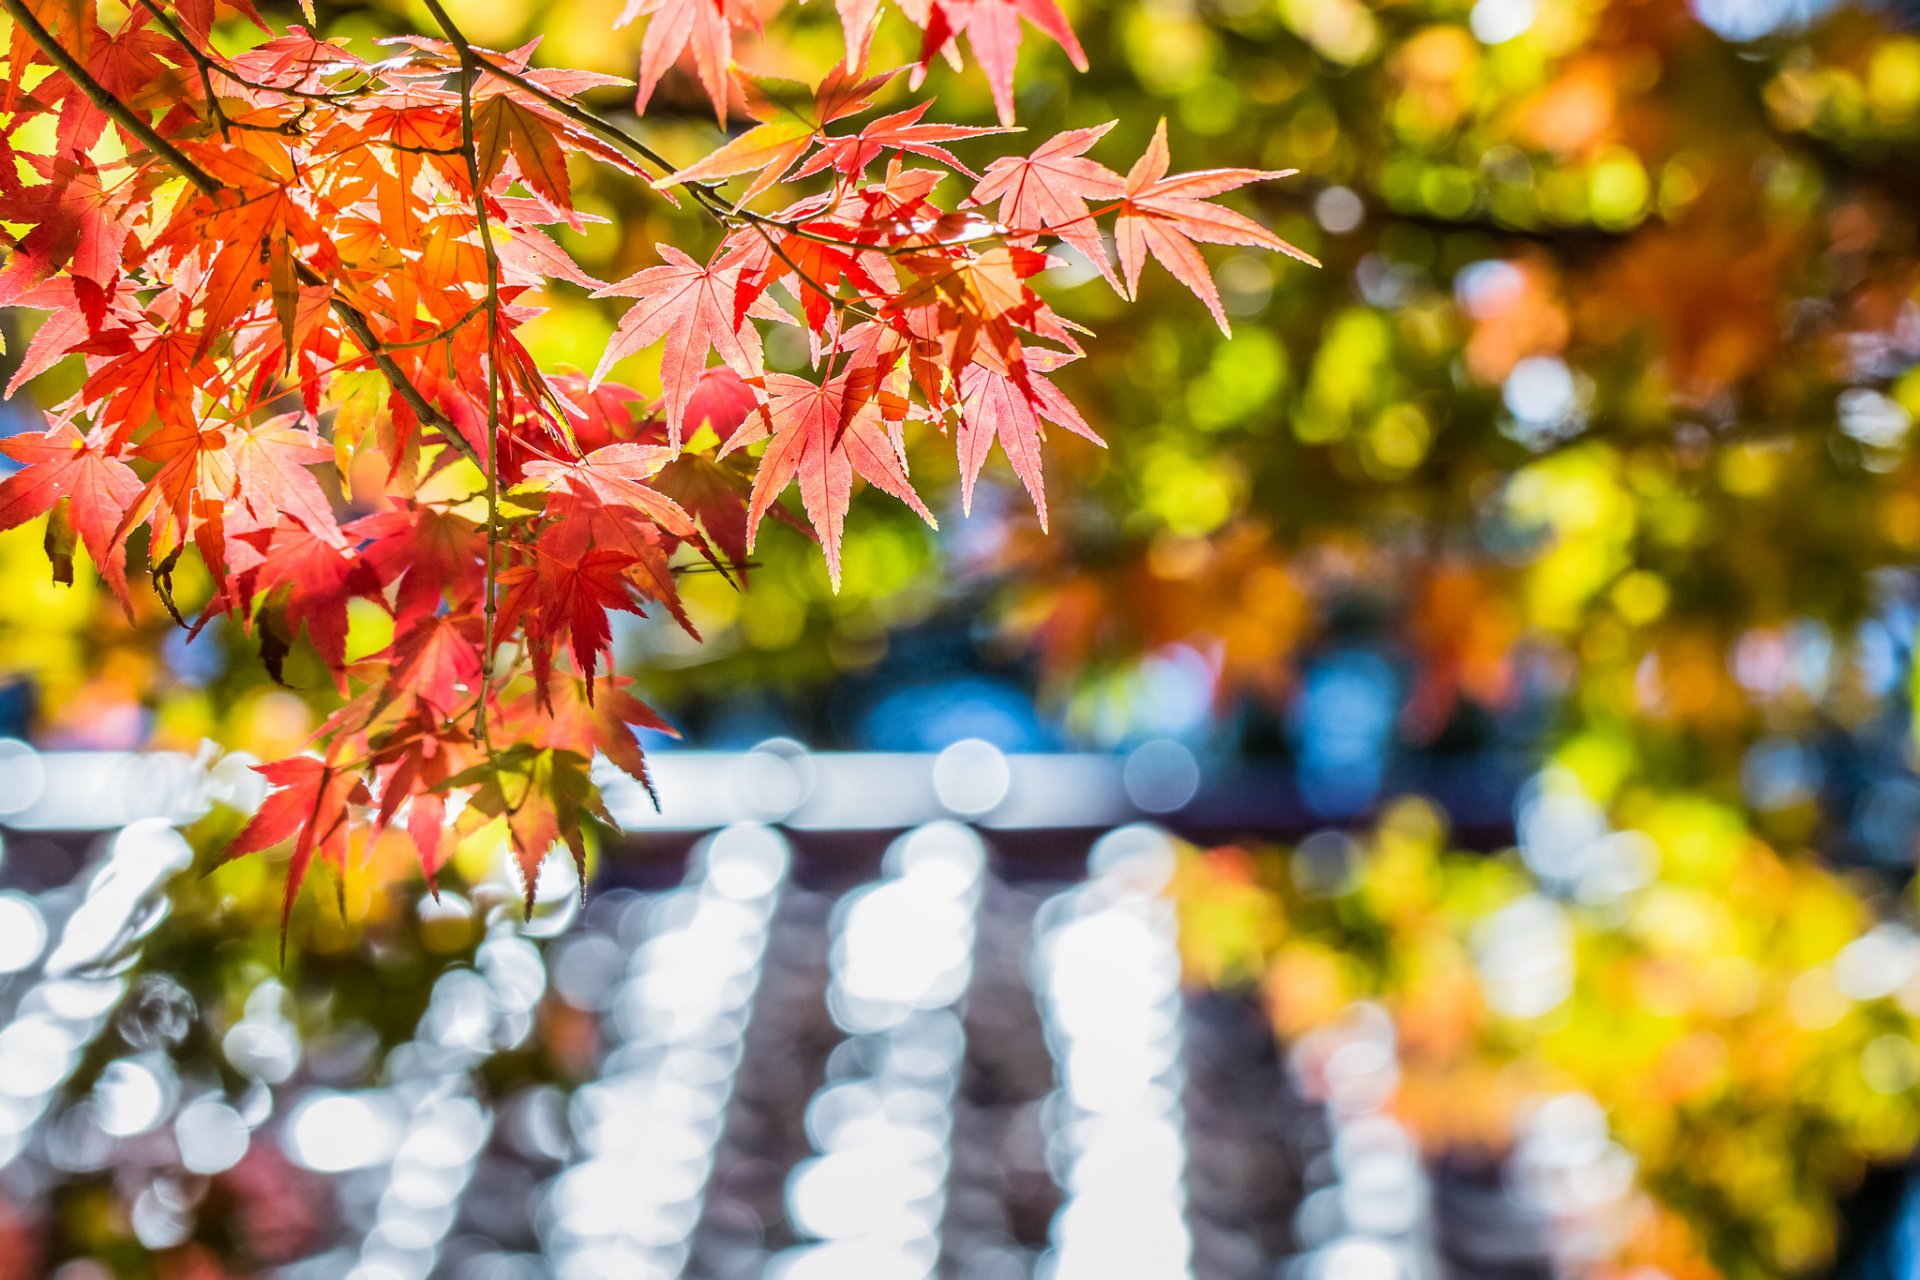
274,262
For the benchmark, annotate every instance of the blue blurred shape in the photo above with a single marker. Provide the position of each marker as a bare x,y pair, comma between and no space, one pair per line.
1342,727
933,715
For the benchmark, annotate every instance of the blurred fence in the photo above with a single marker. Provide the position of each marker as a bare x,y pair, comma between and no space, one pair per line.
852,1017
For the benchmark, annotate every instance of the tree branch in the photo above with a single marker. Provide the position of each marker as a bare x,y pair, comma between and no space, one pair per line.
708,197
469,76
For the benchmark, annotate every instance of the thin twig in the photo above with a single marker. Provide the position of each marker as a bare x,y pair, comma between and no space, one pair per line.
469,76
200,60
704,194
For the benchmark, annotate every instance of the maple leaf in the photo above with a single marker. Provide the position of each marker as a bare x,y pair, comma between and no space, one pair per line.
1164,216
720,400
616,476
65,328
436,557
965,303
533,253
858,20
197,15
505,125
82,472
583,716
813,269
707,25
149,373
309,805
187,495
610,413
77,225
993,30
822,436
791,116
437,658
542,794
1009,405
563,595
413,764
270,464
902,131
1048,191
298,61
307,580
692,307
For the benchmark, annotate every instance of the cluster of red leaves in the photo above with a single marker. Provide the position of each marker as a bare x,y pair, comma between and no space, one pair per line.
706,27
294,255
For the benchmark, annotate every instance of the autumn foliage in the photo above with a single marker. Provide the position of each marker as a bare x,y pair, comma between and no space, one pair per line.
274,262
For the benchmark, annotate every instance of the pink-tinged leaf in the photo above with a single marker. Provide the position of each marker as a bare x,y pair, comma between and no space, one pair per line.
705,25
992,28
1009,406
692,308
1049,190
616,476
58,334
823,435
535,256
271,462
1164,216
902,131
858,19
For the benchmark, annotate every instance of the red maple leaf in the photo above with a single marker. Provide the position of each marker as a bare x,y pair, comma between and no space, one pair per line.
77,226
1008,405
437,658
307,581
82,471
693,308
563,595
584,716
309,805
902,131
823,435
434,555
1048,191
1165,216
993,30
187,496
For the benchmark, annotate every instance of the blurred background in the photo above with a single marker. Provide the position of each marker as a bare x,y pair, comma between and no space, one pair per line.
1487,678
